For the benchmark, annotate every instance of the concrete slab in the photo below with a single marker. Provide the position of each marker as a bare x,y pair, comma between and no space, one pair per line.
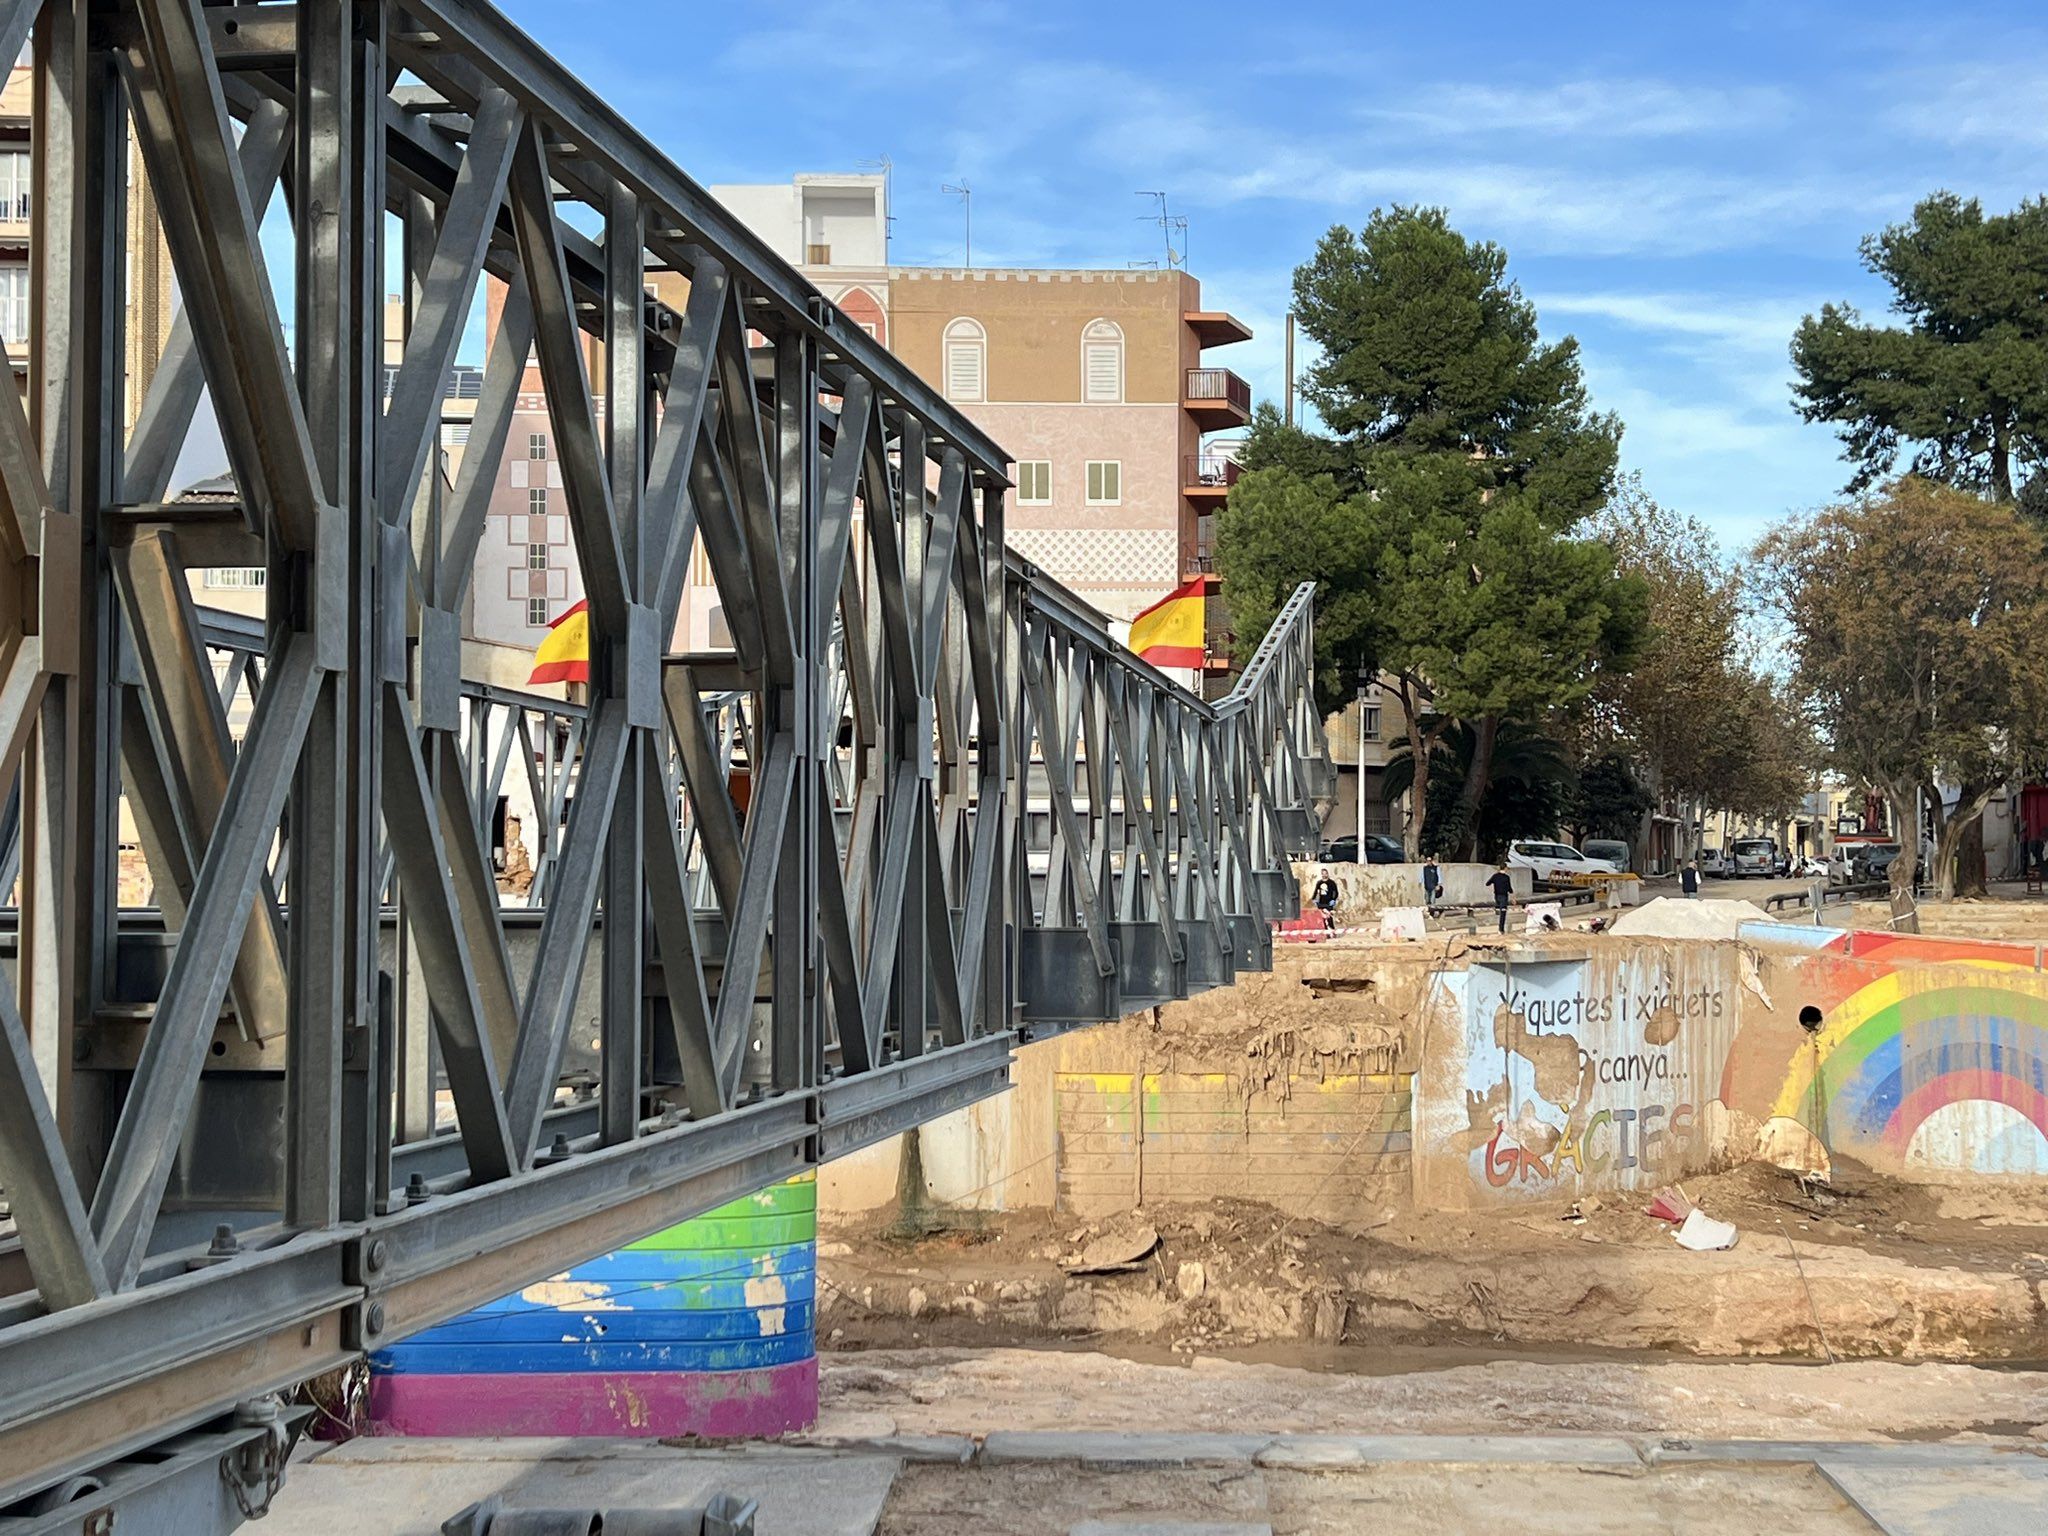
1321,1452
1879,1453
1114,1450
407,1488
1166,1528
2006,1499
954,1450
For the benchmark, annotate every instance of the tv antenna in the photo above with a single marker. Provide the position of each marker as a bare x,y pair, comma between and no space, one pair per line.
887,167
1170,224
966,195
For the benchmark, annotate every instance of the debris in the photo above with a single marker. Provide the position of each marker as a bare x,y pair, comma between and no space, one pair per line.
1191,1279
1669,1205
1123,1247
1701,1233
1575,1216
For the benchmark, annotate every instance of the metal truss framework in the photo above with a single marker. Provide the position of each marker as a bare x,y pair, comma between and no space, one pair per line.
298,1101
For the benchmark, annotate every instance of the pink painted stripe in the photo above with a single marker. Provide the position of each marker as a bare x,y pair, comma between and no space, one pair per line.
716,1405
1954,1088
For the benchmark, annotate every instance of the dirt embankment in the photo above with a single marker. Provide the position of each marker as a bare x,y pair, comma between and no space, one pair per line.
1869,1268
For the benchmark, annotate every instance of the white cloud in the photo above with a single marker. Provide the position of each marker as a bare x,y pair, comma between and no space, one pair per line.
1617,108
1750,325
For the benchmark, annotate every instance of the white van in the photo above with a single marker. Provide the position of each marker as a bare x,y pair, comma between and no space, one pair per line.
1753,856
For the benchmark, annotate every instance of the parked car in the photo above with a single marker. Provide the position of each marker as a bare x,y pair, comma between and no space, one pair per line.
1379,849
1556,862
1612,850
1873,861
1712,862
1754,856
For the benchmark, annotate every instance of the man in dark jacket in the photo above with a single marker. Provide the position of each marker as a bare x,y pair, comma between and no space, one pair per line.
1432,880
1503,886
1689,879
1324,898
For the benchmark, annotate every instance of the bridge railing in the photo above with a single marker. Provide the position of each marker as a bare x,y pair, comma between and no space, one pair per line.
325,1076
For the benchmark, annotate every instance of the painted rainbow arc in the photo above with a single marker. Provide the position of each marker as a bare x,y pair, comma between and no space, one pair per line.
1891,1056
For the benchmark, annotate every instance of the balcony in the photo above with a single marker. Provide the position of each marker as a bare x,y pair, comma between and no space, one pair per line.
1206,478
1214,328
1216,397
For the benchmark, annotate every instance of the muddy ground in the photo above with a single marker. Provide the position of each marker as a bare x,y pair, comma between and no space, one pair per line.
1050,1500
1462,1391
1867,1268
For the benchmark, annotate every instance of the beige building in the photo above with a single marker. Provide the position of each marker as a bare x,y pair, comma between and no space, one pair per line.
1093,379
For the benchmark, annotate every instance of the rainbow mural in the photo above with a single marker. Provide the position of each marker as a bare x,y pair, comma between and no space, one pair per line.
1939,1057
704,1329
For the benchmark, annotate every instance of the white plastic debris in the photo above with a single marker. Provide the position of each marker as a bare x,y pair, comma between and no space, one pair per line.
1701,1233
1402,923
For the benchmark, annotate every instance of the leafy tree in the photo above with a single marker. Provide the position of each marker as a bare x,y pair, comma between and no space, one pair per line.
1965,379
1610,802
1461,452
1919,636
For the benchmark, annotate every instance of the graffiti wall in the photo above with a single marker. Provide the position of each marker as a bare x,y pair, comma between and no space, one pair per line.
1553,1076
1920,1056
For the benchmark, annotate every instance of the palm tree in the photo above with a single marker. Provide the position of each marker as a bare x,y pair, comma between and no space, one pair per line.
1532,785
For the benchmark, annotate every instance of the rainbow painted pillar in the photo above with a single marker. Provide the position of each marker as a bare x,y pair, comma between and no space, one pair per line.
705,1329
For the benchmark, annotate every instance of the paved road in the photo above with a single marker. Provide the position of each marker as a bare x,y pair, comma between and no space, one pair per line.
1053,1483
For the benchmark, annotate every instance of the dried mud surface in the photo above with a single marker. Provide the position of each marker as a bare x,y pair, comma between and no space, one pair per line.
1868,1267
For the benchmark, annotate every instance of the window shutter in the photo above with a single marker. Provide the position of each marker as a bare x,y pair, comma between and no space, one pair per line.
963,370
1105,372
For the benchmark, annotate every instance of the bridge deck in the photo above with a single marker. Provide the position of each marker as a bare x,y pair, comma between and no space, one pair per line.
323,1028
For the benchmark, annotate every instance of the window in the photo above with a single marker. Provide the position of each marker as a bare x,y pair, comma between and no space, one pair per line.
1369,726
236,577
14,304
816,255
17,186
1105,482
537,502
1034,482
536,445
966,353
1102,362
537,612
536,557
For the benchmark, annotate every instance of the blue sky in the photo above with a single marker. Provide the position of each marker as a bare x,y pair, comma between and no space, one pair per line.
1675,190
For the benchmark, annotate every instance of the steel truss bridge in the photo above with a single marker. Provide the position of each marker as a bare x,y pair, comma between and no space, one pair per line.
315,1088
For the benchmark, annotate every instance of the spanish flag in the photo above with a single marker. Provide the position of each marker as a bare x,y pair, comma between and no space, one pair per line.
1170,632
564,656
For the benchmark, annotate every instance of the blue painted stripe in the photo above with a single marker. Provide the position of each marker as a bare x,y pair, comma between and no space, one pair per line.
638,1266
652,1326
467,1359
676,1295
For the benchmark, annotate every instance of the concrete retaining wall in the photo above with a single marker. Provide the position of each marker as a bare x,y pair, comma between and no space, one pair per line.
1552,1073
1930,1060
1366,890
1357,1077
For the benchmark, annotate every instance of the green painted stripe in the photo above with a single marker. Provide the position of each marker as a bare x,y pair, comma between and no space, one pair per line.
749,1232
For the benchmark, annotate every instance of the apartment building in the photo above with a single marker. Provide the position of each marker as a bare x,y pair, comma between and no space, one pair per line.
17,194
1095,379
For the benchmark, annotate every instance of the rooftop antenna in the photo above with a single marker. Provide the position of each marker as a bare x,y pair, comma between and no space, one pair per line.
1169,224
887,167
966,195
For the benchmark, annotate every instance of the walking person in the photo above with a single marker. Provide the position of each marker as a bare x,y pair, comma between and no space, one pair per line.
1689,880
1432,881
1324,897
1503,886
